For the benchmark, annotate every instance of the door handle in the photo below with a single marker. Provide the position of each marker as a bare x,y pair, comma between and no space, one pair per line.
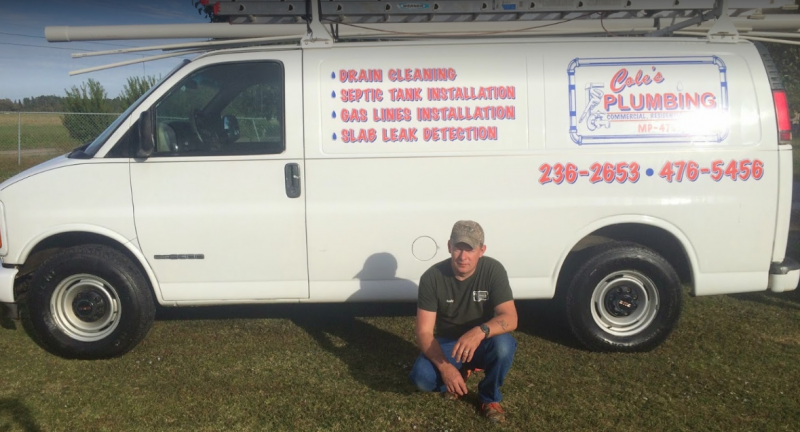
292,175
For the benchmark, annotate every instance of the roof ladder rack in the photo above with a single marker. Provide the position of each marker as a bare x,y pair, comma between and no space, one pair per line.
359,19
451,11
320,23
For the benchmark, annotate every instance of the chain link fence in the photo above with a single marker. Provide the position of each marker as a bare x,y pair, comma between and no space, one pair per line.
29,138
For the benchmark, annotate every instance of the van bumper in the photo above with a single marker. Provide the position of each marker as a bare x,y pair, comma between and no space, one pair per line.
784,276
7,284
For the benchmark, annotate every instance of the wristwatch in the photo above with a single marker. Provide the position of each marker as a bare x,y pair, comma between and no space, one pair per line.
485,329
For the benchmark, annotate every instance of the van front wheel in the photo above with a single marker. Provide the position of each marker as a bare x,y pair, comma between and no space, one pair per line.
625,298
89,302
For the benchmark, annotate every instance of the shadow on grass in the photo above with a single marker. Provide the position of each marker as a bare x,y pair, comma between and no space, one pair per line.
290,311
786,300
6,323
16,416
376,358
544,319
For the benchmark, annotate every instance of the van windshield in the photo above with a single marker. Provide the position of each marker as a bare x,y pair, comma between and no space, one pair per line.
98,142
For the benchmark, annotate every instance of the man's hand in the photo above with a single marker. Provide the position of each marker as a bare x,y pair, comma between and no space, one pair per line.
466,345
453,380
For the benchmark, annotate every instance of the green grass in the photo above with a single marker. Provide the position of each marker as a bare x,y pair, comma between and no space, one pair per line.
35,132
43,137
732,364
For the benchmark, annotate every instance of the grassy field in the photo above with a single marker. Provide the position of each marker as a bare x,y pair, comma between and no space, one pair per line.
36,131
731,365
42,137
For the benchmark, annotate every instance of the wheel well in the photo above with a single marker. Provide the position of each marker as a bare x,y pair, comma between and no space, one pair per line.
655,238
49,246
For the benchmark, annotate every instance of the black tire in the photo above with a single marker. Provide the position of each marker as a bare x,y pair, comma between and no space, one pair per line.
88,302
624,298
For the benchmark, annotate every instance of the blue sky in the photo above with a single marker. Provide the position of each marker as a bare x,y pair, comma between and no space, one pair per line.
30,66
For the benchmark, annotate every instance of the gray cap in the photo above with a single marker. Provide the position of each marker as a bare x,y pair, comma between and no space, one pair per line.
469,232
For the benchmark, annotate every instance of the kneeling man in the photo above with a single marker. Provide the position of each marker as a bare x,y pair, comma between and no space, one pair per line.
465,312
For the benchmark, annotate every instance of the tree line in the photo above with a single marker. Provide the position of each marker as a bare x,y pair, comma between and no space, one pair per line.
88,96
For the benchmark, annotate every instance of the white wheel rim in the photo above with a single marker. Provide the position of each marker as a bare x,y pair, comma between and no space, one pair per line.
85,307
624,303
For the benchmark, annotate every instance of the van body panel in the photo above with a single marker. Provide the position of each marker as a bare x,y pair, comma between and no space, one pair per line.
784,211
378,199
92,196
55,163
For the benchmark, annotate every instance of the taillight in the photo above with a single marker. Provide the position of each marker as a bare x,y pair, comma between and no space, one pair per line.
216,8
782,112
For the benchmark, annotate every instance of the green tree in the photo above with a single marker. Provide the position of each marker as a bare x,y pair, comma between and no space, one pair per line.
134,88
89,98
8,105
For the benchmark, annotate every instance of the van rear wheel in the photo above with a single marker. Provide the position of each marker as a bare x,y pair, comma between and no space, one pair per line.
89,302
625,298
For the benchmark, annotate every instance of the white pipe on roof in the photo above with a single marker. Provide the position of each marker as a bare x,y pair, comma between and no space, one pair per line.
130,62
169,31
775,23
209,44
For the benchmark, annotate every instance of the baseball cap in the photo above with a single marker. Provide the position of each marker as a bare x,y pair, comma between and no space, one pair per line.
469,232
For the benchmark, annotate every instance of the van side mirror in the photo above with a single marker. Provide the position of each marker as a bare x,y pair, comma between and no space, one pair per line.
146,137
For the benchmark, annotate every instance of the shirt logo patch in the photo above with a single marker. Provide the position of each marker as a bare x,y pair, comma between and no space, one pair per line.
449,301
480,296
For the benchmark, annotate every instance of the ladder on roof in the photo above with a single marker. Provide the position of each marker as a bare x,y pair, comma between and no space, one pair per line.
452,11
323,22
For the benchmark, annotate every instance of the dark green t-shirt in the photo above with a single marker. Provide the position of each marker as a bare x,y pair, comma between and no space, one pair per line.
462,305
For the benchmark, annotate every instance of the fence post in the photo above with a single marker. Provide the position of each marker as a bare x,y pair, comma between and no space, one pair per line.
19,138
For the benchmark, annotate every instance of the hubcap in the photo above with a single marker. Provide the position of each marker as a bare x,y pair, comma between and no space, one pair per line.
624,303
89,306
85,307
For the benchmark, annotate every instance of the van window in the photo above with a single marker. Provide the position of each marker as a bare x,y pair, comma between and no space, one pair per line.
227,109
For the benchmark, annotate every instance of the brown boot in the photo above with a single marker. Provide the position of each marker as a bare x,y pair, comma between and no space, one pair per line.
494,412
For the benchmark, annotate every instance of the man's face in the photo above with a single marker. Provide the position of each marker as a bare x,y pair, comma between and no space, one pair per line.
465,258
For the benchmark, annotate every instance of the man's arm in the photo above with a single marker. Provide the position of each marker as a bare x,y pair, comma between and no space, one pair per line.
504,321
426,320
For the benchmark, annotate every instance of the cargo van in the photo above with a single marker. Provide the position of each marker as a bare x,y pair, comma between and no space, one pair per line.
608,172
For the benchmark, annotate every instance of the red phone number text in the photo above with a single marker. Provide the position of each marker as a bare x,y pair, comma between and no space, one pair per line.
621,172
734,170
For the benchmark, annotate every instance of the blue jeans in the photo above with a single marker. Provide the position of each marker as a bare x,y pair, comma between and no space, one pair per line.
494,356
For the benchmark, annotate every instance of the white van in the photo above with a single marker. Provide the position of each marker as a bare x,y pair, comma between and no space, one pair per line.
610,172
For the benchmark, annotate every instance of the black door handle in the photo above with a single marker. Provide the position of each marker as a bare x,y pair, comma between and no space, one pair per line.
292,175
